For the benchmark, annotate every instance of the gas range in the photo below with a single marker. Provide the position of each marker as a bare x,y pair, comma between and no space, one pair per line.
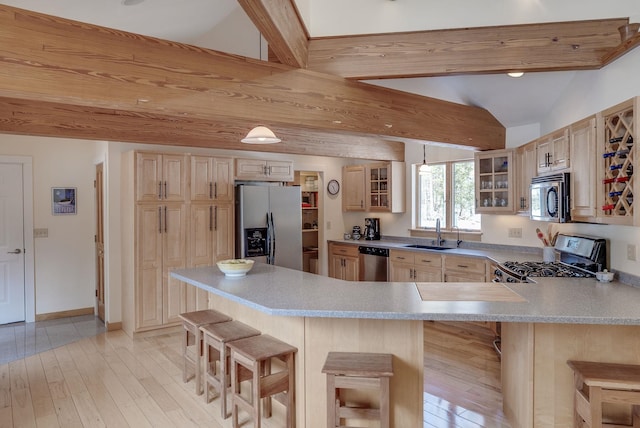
579,257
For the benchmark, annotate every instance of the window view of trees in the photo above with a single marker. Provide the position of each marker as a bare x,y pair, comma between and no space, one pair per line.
446,191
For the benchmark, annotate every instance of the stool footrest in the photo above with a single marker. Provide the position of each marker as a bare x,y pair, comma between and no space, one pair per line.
274,383
356,412
350,382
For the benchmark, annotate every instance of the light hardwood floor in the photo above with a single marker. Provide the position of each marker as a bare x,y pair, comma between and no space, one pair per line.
112,380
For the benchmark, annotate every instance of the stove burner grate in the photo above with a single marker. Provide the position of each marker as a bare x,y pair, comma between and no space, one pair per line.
540,269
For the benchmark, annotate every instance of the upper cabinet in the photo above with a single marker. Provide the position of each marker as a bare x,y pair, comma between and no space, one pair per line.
582,145
377,187
211,179
526,167
553,151
161,177
494,181
617,163
264,170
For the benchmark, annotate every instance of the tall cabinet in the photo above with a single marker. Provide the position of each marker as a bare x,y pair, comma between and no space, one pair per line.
177,212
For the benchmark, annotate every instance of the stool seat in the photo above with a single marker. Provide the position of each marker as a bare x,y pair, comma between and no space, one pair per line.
255,355
215,337
357,370
597,383
191,323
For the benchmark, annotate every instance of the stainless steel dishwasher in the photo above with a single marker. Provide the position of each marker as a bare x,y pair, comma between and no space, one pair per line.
374,263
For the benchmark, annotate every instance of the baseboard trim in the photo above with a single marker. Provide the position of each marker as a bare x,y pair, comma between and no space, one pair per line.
64,314
113,326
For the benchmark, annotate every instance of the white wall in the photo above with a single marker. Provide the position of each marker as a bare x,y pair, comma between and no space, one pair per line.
64,262
245,40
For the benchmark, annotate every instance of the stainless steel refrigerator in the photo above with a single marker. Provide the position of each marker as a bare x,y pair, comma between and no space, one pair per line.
269,224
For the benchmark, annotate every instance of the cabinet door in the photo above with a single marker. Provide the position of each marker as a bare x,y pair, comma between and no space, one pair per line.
223,232
427,275
335,266
494,173
223,179
148,287
351,269
561,152
400,272
378,187
527,168
582,139
201,178
353,194
148,177
462,277
280,170
174,177
201,235
250,169
174,256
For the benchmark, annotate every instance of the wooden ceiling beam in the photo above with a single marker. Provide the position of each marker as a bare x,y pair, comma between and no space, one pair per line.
280,23
95,71
556,46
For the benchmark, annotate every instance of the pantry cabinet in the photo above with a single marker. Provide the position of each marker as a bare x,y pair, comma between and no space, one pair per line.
494,174
417,266
264,170
211,179
353,193
344,262
582,145
160,177
553,151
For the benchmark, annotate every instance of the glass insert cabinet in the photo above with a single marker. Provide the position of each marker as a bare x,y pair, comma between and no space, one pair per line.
494,181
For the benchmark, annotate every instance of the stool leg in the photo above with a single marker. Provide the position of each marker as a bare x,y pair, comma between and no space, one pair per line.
255,394
266,402
235,389
198,342
224,381
291,395
331,401
185,337
207,369
595,401
384,402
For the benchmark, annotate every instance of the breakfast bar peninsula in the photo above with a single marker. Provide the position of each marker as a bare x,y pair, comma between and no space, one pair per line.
544,324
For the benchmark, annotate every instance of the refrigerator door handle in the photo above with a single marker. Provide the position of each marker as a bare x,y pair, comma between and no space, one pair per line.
273,241
269,260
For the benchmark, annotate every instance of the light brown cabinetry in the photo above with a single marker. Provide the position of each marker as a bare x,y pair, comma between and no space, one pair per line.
267,170
617,126
171,228
465,269
526,167
376,187
553,151
582,145
494,181
211,179
344,262
417,266
353,192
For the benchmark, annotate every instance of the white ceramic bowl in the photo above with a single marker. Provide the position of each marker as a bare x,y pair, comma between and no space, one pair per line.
235,267
604,276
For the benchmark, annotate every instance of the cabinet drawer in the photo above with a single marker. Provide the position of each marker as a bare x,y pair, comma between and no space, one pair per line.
424,259
345,250
399,256
465,264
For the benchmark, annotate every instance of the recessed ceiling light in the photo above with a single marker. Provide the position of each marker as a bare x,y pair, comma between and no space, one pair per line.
131,2
516,74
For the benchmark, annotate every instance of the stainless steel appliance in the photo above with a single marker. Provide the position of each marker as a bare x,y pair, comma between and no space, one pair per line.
374,263
550,198
371,229
579,257
269,224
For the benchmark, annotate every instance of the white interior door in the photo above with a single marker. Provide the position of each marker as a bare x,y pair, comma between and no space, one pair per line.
12,260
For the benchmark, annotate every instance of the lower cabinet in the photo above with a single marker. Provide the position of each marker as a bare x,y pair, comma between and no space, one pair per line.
344,262
465,269
406,266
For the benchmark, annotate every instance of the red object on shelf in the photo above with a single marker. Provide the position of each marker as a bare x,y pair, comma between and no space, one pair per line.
621,179
608,180
608,207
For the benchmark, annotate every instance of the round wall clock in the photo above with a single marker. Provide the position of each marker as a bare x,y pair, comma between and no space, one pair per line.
333,187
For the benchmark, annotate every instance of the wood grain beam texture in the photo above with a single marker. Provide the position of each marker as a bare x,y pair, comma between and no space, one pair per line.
575,45
86,67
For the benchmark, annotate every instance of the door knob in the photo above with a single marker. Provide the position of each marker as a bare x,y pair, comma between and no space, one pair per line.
17,251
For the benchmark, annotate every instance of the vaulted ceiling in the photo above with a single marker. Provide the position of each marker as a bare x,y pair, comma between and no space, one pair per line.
468,53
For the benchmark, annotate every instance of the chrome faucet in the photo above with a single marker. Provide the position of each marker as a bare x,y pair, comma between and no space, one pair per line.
459,241
439,240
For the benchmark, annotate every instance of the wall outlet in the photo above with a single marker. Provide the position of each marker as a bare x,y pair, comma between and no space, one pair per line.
40,233
515,232
328,225
631,252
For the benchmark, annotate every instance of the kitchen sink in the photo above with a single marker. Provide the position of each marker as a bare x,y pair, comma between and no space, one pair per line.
427,247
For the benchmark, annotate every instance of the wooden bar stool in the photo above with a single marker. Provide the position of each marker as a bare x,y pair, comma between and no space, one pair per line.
356,370
597,383
255,355
215,338
191,323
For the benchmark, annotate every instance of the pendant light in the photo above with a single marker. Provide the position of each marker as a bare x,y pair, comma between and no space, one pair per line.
261,135
424,167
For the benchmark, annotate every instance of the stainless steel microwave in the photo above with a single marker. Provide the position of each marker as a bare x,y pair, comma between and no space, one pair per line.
550,199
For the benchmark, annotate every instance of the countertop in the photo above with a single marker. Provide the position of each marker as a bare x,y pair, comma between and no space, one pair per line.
280,291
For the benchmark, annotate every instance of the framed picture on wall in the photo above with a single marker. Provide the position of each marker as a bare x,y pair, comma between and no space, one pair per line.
63,200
